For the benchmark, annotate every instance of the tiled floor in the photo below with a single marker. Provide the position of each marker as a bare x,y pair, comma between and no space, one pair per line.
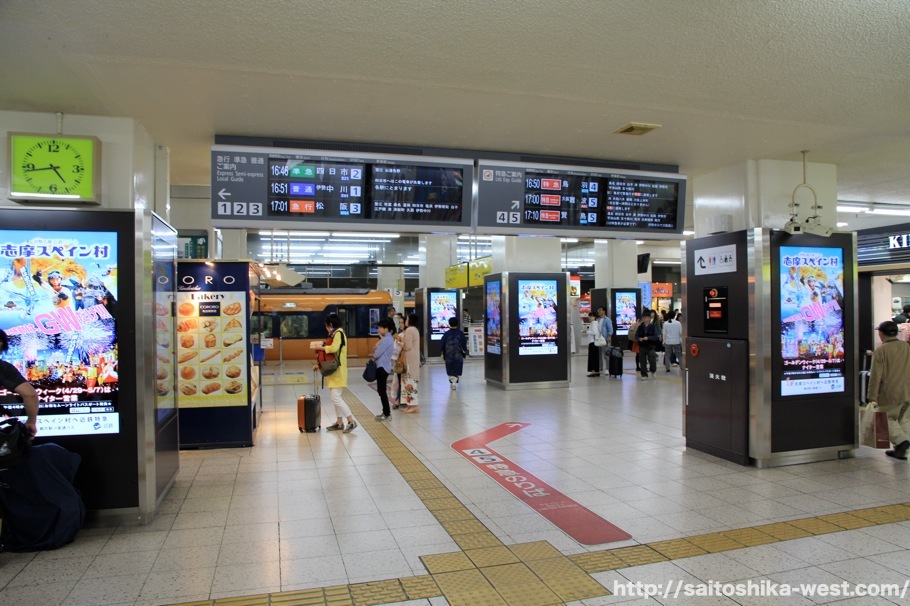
302,511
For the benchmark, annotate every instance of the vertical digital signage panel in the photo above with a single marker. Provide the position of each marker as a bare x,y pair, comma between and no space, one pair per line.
537,320
517,198
311,189
493,300
812,329
443,306
625,310
59,297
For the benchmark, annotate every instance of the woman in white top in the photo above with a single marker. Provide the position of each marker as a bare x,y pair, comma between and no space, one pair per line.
591,333
410,340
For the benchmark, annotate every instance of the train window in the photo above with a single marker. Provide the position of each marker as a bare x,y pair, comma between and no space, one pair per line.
295,326
261,324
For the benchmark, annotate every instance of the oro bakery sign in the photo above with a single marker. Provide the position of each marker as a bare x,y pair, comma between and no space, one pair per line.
883,246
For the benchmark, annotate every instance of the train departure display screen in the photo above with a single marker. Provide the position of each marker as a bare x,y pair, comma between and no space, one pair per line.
812,330
318,189
513,198
259,186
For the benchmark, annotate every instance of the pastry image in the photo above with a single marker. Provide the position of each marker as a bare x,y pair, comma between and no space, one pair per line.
164,341
186,309
211,372
234,387
187,372
188,389
211,387
210,340
162,310
187,356
161,373
232,354
232,309
234,324
232,372
209,325
161,326
162,388
210,355
164,359
187,340
187,325
231,340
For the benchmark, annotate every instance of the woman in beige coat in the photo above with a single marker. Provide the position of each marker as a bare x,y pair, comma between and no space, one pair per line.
410,339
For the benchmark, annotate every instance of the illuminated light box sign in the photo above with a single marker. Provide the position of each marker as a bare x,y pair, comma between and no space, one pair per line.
58,305
812,320
518,198
255,187
443,306
537,328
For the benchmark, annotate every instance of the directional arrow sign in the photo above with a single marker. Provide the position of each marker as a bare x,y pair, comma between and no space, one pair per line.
701,262
515,204
577,521
223,193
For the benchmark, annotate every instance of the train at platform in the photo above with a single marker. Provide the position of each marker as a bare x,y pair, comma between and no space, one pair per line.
289,319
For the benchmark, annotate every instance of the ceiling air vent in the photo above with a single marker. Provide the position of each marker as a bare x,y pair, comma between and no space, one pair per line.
637,129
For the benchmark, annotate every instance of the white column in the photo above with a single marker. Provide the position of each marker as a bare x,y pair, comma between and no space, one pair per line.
392,279
615,263
234,244
437,252
511,253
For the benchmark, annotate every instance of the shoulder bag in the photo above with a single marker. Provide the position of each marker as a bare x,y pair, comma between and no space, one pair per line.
329,363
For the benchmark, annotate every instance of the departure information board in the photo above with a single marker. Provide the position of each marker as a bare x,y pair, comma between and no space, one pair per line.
523,198
257,187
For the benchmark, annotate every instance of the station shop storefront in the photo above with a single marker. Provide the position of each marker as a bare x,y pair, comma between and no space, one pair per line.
883,286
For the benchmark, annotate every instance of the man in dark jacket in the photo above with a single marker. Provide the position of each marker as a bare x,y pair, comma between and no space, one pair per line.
903,316
648,338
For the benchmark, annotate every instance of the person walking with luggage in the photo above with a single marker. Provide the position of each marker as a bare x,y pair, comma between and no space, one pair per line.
606,338
454,347
591,333
672,340
382,355
889,387
338,380
410,339
647,339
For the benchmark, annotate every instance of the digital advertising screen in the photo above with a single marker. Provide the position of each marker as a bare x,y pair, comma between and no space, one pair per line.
443,306
812,320
625,304
537,328
58,305
494,317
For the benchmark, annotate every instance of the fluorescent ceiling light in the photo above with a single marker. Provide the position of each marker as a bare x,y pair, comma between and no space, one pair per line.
688,233
470,237
360,241
662,262
842,224
347,234
280,247
347,255
639,242
852,208
896,212
568,240
312,234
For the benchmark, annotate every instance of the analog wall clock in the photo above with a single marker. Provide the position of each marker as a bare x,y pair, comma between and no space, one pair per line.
54,168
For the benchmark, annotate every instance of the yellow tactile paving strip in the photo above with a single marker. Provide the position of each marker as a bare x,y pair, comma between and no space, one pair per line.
488,573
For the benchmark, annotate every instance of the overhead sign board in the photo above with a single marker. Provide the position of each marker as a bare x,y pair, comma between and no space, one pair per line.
518,198
716,260
302,189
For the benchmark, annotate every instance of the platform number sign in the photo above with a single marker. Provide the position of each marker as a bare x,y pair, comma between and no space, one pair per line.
224,208
239,208
504,216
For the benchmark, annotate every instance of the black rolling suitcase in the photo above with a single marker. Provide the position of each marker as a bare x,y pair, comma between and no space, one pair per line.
309,411
615,363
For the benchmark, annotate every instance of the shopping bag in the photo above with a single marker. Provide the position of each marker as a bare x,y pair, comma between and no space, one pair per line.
874,428
369,371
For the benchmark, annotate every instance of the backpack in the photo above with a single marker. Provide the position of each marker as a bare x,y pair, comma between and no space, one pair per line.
14,443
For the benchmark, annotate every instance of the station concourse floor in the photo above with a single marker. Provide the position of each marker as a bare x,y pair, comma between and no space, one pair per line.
390,513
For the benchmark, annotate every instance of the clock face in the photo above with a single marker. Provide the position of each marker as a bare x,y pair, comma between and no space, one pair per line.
49,167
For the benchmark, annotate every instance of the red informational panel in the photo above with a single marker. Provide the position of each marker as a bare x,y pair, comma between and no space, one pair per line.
577,521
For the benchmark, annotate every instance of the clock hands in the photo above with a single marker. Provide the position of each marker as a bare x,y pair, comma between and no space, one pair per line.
51,167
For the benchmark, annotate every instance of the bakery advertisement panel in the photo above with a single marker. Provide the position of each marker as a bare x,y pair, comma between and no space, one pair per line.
211,337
